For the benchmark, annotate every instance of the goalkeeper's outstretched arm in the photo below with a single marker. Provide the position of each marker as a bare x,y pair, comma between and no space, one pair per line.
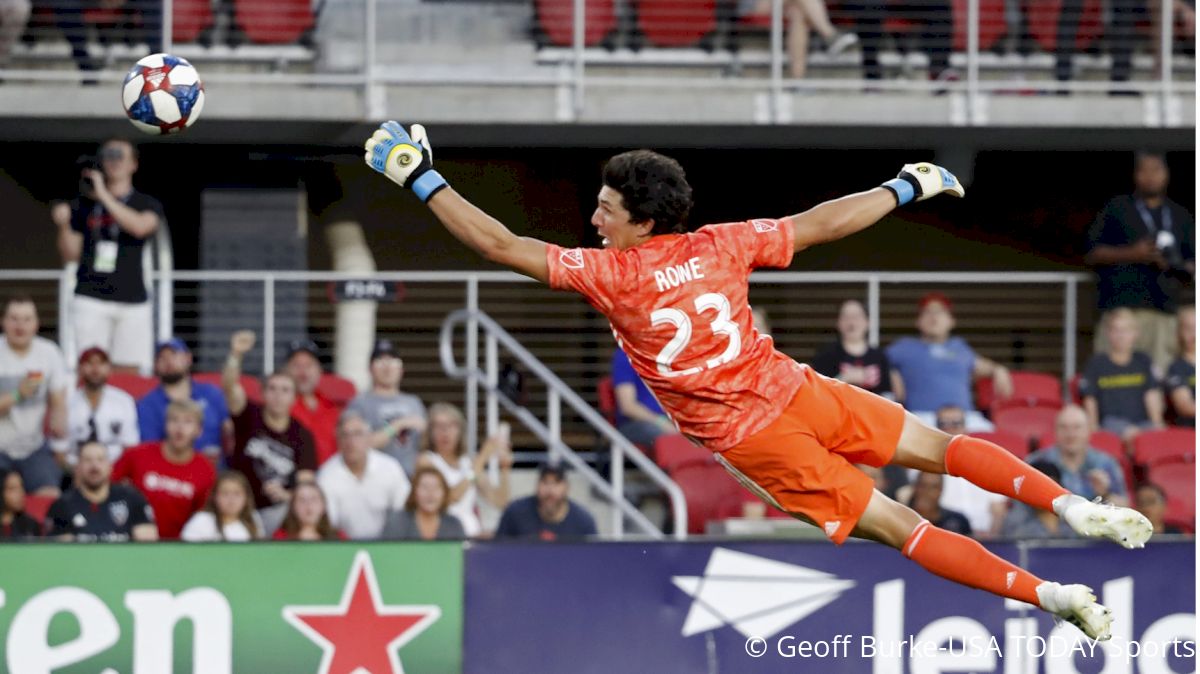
407,160
488,236
839,218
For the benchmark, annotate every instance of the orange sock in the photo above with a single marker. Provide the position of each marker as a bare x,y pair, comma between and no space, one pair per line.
995,469
963,560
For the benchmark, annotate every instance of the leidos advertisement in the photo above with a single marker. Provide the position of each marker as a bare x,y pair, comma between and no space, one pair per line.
621,608
812,608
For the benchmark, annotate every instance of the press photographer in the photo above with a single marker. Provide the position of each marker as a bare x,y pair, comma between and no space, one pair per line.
105,229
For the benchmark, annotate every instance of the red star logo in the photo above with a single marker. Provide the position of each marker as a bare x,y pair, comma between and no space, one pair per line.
361,634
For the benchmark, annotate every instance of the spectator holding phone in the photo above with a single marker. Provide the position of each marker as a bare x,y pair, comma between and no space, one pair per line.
466,476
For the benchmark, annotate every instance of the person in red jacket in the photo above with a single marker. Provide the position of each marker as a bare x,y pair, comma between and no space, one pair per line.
172,476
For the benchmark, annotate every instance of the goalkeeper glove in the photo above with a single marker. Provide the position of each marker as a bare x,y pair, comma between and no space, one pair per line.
918,182
406,160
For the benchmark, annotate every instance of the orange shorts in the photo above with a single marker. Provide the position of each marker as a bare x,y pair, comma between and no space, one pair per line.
801,462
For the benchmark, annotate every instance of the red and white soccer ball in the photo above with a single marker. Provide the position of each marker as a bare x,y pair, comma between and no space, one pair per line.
162,94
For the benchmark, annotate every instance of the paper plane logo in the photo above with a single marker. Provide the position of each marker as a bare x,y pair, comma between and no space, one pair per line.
756,596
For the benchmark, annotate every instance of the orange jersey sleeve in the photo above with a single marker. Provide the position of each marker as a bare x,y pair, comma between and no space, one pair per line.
679,308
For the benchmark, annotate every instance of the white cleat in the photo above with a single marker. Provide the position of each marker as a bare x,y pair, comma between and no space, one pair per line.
1123,526
1077,605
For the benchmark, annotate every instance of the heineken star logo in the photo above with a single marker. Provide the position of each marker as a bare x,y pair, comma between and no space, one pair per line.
361,634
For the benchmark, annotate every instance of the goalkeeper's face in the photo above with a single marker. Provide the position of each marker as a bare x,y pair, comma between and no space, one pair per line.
612,223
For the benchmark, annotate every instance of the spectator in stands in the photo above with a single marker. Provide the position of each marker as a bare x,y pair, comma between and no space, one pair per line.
984,510
1120,37
850,358
33,397
548,515
424,517
1143,249
173,366
936,369
926,501
1082,469
15,523
639,416
318,413
14,14
446,450
172,476
273,450
1180,386
361,484
105,230
397,419
1151,501
803,16
134,22
308,517
98,510
99,412
1024,522
229,514
1119,389
934,32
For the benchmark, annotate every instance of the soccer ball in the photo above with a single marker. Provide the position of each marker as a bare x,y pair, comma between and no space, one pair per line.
162,94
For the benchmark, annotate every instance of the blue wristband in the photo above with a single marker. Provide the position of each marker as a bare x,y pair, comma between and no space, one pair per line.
428,184
902,189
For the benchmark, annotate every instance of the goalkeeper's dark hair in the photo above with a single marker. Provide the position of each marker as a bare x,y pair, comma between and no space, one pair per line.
652,187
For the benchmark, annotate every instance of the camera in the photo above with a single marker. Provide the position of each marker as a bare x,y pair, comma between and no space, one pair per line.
84,162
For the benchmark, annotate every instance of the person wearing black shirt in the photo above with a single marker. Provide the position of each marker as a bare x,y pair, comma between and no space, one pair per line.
96,509
1142,247
15,524
548,515
105,231
850,358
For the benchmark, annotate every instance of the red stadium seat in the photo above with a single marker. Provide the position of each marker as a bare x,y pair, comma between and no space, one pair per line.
337,389
1178,480
556,20
1168,445
1029,389
676,23
674,452
606,398
1013,442
250,384
36,506
992,25
134,384
191,17
274,21
1073,389
1042,16
1028,422
708,489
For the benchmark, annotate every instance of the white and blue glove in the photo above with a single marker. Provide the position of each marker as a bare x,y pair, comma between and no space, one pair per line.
406,160
918,182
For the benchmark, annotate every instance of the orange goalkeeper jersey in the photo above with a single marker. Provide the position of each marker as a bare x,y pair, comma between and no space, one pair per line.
679,307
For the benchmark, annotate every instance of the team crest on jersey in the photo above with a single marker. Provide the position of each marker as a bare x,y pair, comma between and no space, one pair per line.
572,259
764,226
119,512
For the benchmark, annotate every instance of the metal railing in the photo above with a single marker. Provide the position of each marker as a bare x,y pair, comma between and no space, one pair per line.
549,432
598,45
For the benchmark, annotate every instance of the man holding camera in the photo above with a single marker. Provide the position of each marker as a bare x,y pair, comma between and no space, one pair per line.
1143,248
105,230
